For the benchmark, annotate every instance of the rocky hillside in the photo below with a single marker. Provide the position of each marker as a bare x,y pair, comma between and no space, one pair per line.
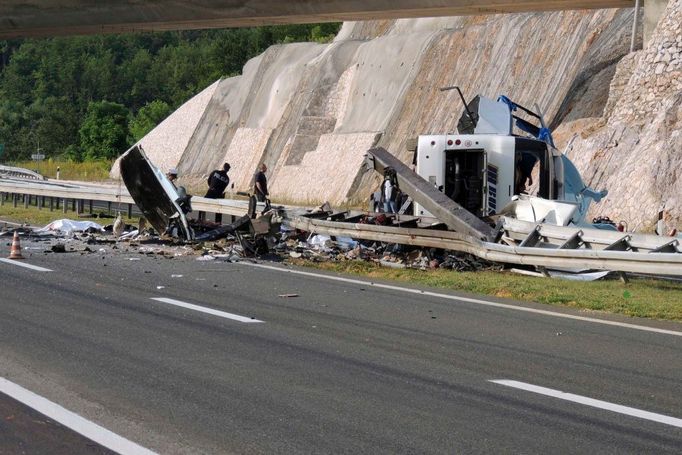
635,147
310,111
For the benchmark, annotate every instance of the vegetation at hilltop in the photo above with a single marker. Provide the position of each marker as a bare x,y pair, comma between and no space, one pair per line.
90,97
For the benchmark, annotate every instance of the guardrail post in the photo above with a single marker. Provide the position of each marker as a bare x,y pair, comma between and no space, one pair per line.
90,207
109,208
58,203
73,206
130,210
39,202
2,198
65,203
14,199
26,200
52,204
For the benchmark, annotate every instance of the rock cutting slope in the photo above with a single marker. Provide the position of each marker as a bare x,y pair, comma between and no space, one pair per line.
635,148
310,111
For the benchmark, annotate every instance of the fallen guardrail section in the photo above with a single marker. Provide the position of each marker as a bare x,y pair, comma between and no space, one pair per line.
19,172
528,244
523,243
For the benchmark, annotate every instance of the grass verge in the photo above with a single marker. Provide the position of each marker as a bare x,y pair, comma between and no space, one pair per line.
647,298
87,171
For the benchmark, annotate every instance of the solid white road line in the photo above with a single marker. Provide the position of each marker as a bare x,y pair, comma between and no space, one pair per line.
634,412
23,264
71,420
469,300
222,314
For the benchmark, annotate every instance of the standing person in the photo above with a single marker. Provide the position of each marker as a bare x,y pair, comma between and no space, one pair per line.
261,183
172,175
183,199
217,182
389,191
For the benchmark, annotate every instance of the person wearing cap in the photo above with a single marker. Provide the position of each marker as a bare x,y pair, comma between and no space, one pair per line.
183,199
172,175
217,182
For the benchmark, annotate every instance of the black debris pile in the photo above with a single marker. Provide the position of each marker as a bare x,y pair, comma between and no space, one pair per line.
465,262
265,237
321,248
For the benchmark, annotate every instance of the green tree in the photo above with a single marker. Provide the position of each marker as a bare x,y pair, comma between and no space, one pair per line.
150,115
104,132
48,86
54,123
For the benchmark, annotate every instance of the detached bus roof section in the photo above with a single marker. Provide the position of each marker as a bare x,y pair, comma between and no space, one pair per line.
34,18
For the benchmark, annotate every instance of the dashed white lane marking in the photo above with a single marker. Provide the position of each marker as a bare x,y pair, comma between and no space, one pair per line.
23,264
202,309
470,300
71,420
634,412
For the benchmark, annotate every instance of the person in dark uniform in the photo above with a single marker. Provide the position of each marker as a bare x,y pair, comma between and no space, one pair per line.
261,183
217,182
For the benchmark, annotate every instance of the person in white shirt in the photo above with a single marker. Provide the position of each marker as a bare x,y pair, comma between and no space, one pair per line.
389,192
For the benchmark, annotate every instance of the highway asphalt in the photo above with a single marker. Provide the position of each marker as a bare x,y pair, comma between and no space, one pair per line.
332,366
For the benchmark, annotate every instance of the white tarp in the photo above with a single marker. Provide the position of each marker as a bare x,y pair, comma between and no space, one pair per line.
69,226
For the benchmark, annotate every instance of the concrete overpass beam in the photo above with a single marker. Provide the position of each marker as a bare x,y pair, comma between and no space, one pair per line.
78,17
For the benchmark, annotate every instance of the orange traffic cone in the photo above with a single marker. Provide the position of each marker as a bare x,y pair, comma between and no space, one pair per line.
15,252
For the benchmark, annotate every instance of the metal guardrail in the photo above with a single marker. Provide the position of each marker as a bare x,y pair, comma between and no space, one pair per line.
20,172
66,191
622,261
642,256
568,237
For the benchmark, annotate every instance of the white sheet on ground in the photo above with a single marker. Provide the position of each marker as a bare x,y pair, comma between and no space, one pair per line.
68,226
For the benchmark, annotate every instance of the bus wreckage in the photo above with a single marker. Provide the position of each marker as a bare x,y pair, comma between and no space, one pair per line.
485,190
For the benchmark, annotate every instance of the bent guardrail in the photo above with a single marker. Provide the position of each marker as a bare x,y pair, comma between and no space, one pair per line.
20,172
527,243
